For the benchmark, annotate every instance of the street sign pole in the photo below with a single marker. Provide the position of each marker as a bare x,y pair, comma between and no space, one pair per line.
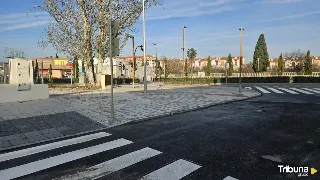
71,67
226,77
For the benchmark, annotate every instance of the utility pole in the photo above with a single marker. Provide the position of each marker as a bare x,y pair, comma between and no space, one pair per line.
145,48
156,68
241,37
183,60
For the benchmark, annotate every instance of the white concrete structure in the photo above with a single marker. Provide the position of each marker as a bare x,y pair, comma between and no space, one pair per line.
21,86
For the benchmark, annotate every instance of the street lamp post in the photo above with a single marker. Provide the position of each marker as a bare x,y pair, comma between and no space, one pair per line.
183,60
156,69
145,48
241,37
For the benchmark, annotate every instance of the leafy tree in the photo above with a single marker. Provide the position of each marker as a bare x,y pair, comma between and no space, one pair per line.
229,60
280,65
208,68
165,67
185,68
307,64
261,52
36,72
191,54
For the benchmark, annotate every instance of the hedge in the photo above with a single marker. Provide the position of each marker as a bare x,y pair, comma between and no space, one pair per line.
215,80
302,79
68,80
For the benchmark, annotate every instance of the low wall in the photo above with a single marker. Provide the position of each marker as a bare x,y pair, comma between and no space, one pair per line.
9,93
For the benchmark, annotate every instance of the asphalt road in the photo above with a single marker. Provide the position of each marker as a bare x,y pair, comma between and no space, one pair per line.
245,140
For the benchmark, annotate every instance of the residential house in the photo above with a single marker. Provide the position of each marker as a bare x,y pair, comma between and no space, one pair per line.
291,63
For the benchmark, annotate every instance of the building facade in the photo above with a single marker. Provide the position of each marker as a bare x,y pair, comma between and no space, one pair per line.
291,63
60,67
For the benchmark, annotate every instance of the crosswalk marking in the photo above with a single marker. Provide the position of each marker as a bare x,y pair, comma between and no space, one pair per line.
287,90
317,88
230,178
39,165
275,90
262,90
173,171
113,165
302,91
248,88
50,146
312,90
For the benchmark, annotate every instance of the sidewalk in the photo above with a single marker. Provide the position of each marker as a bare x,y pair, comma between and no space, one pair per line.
68,113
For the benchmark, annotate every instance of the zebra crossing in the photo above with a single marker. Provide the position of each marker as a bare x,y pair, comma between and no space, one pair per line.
286,90
47,161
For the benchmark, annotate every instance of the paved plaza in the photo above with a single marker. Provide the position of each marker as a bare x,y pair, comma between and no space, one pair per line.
69,112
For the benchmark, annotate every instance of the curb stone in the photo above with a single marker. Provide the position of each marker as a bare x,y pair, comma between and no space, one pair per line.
13,148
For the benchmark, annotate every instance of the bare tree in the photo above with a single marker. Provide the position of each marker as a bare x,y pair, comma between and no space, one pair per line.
80,28
173,66
295,60
126,14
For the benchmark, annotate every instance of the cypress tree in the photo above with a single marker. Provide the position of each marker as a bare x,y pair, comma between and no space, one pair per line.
229,60
261,52
280,65
307,64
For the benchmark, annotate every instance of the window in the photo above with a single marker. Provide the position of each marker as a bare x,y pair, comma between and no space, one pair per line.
216,63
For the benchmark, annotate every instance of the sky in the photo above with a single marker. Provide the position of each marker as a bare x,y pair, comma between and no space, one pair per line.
212,27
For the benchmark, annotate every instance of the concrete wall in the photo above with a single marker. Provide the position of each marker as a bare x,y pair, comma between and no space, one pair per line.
10,93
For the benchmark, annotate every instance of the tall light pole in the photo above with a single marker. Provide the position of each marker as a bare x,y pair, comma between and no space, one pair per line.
145,48
155,45
183,60
156,68
241,38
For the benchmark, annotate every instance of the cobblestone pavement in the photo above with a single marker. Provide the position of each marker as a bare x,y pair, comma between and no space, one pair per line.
76,112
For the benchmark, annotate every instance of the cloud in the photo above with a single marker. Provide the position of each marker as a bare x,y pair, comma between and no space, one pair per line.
21,15
172,9
281,1
14,21
300,15
23,26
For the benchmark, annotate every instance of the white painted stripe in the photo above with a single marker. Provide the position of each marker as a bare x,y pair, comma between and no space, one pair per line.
36,166
248,88
173,171
312,90
317,88
50,146
302,91
275,90
287,90
113,165
262,90
230,178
